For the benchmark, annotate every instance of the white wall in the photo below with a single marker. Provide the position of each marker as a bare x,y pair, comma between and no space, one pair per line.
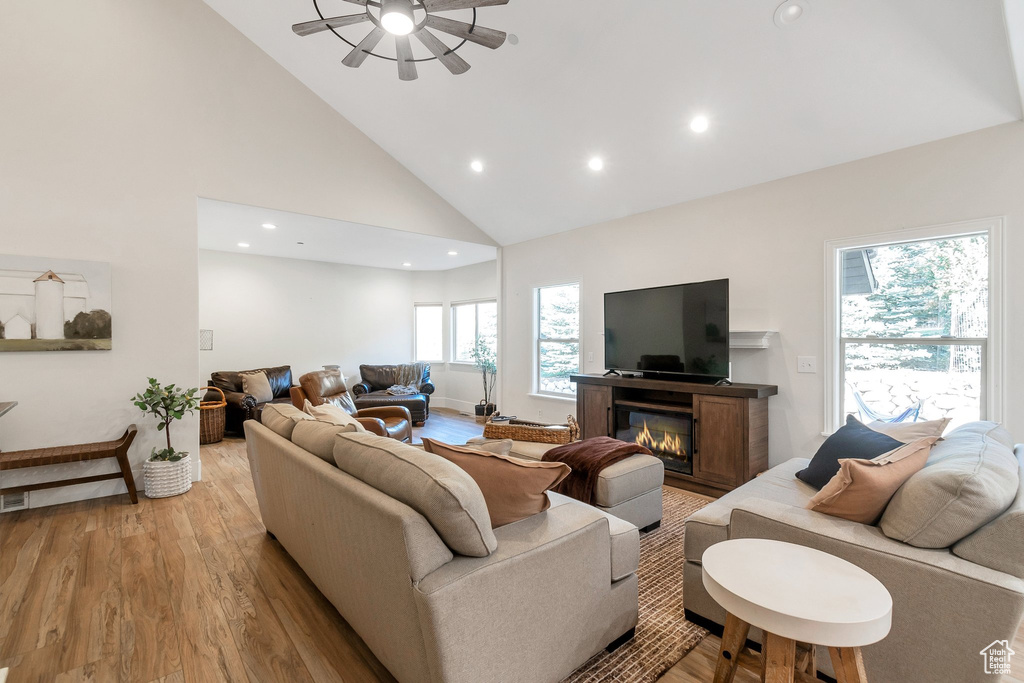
267,311
114,119
459,384
769,240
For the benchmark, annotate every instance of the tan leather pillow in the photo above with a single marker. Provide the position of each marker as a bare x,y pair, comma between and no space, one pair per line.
909,431
257,385
332,414
513,488
861,489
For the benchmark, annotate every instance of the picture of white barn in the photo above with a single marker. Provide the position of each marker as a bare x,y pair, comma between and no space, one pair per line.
42,299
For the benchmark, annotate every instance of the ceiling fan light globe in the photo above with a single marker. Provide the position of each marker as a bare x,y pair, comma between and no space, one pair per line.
396,17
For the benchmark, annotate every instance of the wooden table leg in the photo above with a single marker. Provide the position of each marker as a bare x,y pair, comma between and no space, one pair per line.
779,659
806,661
734,639
849,664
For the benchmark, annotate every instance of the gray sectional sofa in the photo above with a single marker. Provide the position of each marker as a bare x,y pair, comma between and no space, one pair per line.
539,598
949,603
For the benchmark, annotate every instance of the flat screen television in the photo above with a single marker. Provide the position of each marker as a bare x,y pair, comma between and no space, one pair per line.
674,332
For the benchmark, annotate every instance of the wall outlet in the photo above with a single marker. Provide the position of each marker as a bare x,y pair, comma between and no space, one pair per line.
806,364
590,356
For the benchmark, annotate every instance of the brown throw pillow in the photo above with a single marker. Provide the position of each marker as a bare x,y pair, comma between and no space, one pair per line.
257,385
861,489
513,488
909,431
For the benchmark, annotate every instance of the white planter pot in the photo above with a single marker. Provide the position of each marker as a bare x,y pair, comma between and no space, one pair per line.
165,479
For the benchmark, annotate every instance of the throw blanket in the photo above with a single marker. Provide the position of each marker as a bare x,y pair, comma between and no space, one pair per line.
400,390
587,458
410,375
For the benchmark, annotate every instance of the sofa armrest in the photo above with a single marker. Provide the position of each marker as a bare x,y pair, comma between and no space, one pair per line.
427,387
298,396
384,412
858,543
361,388
239,400
373,425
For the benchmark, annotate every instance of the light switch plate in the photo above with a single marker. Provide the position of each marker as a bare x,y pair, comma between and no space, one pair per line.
807,364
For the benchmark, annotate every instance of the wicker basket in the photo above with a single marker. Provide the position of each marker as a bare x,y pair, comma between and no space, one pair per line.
538,432
212,415
165,478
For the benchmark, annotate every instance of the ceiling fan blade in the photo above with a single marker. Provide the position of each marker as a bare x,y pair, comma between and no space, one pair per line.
361,51
406,67
446,5
454,63
487,37
309,27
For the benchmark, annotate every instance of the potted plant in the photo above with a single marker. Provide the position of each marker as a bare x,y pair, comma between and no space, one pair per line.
167,472
485,359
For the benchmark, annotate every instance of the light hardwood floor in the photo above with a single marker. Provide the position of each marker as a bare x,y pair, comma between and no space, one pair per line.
188,589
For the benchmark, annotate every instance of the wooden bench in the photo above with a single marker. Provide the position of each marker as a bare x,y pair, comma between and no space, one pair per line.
36,457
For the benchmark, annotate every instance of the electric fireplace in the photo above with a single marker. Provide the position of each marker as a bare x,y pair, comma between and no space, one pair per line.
666,433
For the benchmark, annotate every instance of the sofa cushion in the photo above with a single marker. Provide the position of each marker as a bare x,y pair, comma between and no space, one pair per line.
281,419
710,524
332,414
852,440
513,487
437,489
862,488
318,437
910,431
1000,544
625,539
256,384
970,479
617,483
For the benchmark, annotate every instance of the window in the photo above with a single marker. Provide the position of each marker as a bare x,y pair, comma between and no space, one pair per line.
912,325
473,323
428,332
558,338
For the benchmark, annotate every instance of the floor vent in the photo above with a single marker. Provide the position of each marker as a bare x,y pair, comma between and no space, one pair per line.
13,501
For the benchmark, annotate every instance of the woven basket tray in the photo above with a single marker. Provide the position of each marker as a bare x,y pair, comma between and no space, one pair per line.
538,432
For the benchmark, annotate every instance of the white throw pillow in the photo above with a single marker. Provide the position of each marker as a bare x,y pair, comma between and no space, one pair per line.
257,385
910,431
332,414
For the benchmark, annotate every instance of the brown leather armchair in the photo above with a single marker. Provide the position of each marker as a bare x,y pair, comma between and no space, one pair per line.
328,386
372,390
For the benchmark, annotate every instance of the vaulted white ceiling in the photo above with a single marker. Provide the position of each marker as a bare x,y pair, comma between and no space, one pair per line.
621,80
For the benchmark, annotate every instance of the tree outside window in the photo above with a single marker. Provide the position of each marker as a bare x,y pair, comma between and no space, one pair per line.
473,323
558,338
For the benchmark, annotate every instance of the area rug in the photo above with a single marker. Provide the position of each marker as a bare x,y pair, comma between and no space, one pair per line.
663,635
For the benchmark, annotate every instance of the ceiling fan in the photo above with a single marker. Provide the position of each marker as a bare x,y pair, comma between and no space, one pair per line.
402,18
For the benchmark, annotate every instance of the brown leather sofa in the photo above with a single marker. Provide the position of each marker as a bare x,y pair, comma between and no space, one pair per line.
242,406
372,390
328,386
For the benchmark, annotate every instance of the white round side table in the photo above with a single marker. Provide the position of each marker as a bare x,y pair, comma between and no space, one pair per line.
795,595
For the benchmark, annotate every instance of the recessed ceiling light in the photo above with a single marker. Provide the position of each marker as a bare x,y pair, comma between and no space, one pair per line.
699,124
477,166
407,264
789,12
244,245
269,226
596,163
453,253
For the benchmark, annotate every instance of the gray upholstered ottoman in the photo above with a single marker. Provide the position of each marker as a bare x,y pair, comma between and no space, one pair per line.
630,489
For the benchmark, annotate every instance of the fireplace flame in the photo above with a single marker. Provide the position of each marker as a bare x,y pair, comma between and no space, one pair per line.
668,443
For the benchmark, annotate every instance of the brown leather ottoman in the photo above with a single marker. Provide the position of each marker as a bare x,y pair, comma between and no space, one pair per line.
416,403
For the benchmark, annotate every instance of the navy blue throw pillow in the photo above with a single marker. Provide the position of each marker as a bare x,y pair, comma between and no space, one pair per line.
852,440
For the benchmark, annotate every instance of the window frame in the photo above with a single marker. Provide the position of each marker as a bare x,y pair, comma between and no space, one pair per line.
992,389
415,330
538,339
476,327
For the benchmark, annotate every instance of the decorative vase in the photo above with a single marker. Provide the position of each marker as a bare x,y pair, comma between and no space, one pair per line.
164,478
